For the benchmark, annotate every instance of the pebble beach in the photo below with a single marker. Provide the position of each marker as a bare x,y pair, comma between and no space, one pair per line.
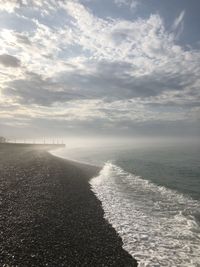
48,214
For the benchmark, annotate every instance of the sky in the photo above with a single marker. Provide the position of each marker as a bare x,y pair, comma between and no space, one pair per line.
99,67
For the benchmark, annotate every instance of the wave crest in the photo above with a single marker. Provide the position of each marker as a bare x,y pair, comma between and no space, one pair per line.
157,225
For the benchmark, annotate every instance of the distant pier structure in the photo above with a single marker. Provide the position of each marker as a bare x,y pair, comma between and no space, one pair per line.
41,141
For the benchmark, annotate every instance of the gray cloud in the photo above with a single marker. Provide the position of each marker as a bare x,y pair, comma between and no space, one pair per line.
9,61
109,81
23,39
35,89
115,80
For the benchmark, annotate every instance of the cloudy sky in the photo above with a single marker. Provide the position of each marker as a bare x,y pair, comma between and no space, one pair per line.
99,67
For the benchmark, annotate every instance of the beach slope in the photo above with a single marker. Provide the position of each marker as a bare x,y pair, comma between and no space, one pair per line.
48,214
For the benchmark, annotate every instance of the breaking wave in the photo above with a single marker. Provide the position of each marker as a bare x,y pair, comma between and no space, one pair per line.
158,226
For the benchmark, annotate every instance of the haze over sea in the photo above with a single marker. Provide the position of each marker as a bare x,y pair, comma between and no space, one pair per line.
150,193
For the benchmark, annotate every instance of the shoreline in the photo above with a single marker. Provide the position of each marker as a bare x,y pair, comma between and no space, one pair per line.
49,215
51,152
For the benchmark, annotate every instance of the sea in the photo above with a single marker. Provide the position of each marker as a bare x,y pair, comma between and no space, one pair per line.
150,194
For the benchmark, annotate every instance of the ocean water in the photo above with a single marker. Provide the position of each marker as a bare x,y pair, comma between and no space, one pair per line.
151,196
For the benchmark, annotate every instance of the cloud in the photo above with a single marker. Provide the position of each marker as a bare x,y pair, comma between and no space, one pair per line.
34,89
88,71
110,81
9,61
23,39
179,20
178,25
9,6
12,5
130,3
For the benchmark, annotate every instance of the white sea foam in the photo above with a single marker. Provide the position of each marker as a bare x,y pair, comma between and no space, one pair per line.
157,225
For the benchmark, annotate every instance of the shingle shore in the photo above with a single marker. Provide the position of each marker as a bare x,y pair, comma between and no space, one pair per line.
49,216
